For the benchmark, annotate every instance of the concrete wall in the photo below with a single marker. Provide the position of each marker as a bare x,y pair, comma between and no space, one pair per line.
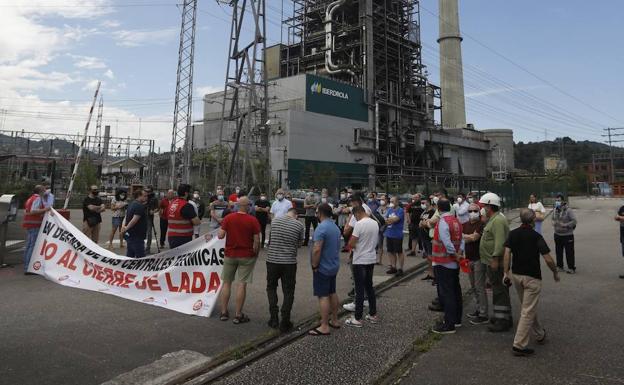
501,139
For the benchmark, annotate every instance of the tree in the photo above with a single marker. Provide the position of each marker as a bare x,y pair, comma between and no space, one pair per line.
86,176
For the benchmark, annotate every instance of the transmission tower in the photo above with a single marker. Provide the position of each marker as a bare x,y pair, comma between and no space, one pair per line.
180,149
97,142
245,100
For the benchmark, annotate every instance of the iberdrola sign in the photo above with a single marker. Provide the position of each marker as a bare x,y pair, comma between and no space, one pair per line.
327,96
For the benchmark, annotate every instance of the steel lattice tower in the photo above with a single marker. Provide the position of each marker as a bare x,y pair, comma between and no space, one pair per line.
245,100
180,150
97,142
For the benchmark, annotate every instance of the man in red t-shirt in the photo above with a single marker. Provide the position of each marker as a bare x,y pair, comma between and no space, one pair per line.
241,251
233,198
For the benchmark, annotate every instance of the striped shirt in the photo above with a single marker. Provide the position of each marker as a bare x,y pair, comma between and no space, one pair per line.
286,235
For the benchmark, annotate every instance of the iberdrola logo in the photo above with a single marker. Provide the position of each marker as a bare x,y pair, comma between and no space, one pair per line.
316,88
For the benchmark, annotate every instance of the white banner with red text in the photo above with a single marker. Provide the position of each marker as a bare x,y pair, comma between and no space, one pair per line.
185,279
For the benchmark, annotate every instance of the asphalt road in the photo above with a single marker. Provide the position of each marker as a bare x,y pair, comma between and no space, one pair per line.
583,316
51,334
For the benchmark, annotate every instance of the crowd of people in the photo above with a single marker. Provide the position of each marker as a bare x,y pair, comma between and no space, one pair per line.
467,233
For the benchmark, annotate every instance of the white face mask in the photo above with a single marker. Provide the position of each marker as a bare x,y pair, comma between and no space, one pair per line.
391,205
423,206
435,200
195,196
262,198
237,190
383,203
473,216
324,200
459,200
343,196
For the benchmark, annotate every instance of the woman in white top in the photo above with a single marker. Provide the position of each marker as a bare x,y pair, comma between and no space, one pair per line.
539,210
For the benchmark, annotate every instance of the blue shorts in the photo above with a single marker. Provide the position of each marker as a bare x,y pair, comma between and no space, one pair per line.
117,221
324,285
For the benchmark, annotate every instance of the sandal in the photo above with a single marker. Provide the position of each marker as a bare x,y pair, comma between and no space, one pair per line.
331,325
317,332
224,316
241,319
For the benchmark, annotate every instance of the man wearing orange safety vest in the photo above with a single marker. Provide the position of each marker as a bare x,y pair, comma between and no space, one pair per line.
34,209
181,217
447,250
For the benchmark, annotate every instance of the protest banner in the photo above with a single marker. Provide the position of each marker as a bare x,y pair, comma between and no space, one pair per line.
185,279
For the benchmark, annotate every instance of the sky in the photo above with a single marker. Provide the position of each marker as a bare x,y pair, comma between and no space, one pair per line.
542,68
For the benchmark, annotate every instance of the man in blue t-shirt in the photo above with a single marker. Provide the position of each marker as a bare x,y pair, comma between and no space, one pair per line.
135,225
394,236
325,264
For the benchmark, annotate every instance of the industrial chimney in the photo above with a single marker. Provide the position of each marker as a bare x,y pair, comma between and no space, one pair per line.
451,67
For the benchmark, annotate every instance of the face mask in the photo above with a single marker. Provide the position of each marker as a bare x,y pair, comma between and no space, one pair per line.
220,197
435,200
324,200
195,196
263,198
122,197
279,197
383,203
473,216
391,205
47,192
459,200
343,196
423,206
237,190
348,195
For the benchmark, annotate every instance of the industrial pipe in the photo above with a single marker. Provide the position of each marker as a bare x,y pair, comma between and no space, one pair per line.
330,66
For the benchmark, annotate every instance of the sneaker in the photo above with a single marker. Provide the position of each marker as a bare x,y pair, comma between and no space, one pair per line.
427,278
399,273
571,271
273,323
285,326
560,269
522,352
458,325
391,270
474,314
351,306
442,329
480,320
372,318
353,323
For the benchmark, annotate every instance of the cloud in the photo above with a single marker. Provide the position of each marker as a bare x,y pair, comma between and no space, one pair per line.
137,38
88,62
109,74
110,24
205,90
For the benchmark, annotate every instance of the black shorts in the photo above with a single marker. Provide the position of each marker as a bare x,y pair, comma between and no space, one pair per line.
394,245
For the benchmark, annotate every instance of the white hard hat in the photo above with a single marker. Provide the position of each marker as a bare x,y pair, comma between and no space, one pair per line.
490,199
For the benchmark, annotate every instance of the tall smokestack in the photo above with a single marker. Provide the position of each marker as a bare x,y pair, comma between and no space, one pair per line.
451,67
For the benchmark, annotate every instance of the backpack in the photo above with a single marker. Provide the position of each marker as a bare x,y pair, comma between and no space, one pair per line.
377,217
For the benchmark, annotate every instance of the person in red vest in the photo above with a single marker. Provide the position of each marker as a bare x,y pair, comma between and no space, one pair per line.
162,213
447,250
181,217
34,209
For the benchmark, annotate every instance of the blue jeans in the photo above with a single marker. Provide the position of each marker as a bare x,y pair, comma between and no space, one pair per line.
135,248
449,293
31,239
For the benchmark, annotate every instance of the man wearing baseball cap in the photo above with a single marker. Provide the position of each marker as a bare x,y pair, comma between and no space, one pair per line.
491,251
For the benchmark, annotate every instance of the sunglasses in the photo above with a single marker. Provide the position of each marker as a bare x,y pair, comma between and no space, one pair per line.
473,211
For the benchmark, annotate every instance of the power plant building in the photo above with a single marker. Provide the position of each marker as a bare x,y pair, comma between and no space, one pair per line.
349,101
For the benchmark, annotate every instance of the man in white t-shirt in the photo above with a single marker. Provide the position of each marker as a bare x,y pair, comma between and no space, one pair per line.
540,212
363,242
280,207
